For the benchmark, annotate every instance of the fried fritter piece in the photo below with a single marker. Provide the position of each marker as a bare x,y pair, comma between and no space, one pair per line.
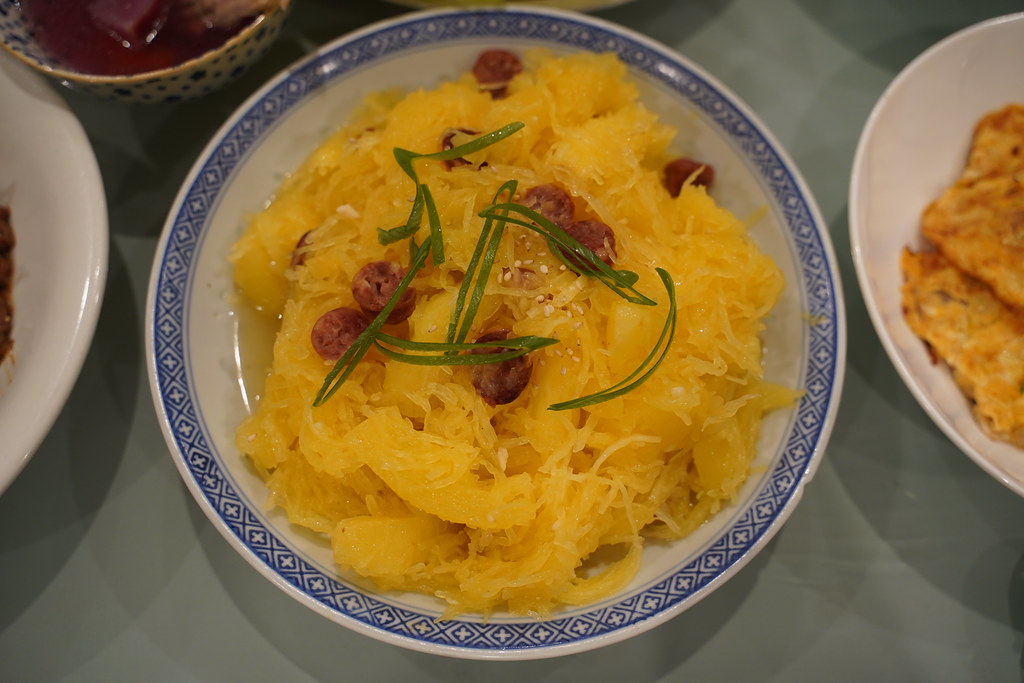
997,148
980,228
974,333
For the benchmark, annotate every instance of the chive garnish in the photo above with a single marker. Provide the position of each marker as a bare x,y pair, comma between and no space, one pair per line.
436,238
411,225
348,361
483,258
405,160
444,351
619,281
646,368
455,350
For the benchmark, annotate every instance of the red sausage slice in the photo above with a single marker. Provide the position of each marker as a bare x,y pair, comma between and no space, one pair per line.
335,331
373,286
493,70
500,383
596,236
679,170
550,201
299,253
447,142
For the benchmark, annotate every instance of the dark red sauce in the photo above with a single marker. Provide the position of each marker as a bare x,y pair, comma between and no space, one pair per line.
74,33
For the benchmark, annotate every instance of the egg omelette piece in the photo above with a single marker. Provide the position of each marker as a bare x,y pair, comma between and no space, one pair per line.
997,146
978,337
979,227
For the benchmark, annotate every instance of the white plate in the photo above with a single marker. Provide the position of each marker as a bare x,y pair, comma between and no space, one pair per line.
49,178
913,147
191,326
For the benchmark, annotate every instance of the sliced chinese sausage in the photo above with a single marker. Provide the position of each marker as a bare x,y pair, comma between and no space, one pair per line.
334,332
500,383
550,201
493,70
678,171
448,142
299,253
596,236
375,283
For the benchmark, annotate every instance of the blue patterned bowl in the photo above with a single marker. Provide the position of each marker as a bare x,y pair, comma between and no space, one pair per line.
187,80
192,330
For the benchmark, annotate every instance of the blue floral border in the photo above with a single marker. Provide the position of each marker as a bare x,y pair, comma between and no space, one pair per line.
178,401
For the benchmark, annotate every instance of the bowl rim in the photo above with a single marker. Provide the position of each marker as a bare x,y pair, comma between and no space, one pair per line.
70,75
857,238
824,412
81,299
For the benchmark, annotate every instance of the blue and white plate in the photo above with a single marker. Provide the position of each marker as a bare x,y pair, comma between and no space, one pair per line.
193,327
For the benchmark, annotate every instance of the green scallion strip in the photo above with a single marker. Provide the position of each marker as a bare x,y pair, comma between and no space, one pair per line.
646,368
345,365
478,270
467,280
412,224
619,281
466,148
405,159
434,220
443,351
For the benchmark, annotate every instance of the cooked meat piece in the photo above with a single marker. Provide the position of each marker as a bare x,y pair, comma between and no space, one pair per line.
500,383
493,70
678,171
334,332
594,235
550,201
375,283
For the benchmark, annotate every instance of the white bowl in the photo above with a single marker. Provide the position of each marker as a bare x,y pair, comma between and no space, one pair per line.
913,146
50,180
191,333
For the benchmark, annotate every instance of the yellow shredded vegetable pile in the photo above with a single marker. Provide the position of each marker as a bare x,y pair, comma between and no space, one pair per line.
419,484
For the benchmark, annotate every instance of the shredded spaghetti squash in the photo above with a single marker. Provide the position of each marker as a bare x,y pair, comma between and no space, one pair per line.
419,483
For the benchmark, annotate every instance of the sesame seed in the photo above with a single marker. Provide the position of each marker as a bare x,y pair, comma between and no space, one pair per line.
544,269
563,370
